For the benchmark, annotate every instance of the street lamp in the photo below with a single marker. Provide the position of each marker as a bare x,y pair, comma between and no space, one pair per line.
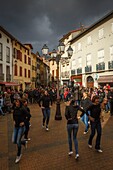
57,57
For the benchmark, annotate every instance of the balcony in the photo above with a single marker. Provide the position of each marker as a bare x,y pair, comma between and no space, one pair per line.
8,77
2,77
72,72
110,65
88,69
79,70
100,66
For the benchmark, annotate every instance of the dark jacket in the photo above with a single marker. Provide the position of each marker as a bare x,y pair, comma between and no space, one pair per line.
95,112
19,115
45,101
85,103
28,116
71,114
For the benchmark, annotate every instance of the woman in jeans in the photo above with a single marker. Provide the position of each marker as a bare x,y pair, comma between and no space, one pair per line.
19,118
45,103
72,125
95,121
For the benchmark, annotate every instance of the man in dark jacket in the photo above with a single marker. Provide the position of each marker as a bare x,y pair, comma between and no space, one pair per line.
45,103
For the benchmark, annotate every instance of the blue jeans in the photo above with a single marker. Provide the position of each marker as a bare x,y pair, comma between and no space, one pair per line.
85,119
72,128
46,116
17,136
95,126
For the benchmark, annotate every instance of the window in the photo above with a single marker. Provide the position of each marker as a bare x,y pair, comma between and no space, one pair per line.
101,33
7,70
7,40
0,35
89,40
20,71
15,70
19,55
100,56
1,48
25,72
15,53
29,60
79,46
57,74
7,54
111,53
52,73
88,59
1,69
79,62
25,59
28,73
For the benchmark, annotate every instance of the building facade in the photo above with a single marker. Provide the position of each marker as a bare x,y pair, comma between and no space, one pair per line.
92,61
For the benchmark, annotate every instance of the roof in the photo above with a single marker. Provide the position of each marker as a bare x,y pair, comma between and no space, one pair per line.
93,26
11,36
29,45
68,34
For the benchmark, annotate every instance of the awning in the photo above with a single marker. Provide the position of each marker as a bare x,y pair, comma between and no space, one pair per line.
9,83
105,79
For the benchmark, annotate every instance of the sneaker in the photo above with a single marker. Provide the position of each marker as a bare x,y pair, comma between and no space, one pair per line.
90,146
47,129
18,158
70,153
77,156
27,139
85,132
99,150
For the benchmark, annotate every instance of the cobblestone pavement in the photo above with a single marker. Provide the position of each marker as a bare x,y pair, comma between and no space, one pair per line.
49,150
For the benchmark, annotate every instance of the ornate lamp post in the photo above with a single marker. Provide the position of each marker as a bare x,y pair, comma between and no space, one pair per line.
57,57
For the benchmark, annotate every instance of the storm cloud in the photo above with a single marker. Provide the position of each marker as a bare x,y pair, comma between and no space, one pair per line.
46,21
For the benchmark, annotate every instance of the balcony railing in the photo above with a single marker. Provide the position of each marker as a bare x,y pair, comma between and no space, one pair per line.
2,77
88,69
72,72
100,66
8,77
110,64
79,70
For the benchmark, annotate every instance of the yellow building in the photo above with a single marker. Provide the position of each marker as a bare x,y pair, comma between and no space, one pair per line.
34,70
22,65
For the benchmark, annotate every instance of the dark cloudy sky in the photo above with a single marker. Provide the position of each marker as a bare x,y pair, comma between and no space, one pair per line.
46,21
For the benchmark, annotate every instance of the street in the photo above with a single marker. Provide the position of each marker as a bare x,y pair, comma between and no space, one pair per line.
49,150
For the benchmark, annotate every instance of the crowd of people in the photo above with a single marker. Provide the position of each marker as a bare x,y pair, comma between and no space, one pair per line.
90,102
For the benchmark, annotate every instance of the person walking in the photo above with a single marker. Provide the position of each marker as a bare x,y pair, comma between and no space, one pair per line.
71,111
27,121
85,103
19,118
45,102
1,105
95,121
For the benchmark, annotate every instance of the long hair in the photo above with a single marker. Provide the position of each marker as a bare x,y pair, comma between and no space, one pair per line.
94,98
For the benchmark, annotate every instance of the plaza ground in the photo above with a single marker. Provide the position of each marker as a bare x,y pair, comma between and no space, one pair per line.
49,150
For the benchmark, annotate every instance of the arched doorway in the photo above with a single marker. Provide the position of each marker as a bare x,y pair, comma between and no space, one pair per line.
90,82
